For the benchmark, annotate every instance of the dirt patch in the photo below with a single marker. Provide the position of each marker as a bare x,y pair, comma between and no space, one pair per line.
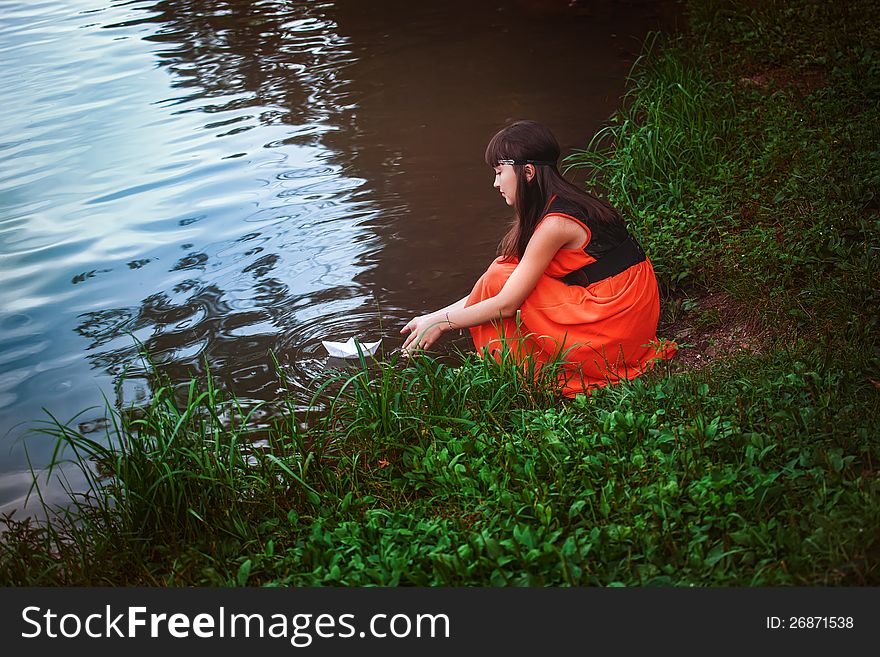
805,81
711,328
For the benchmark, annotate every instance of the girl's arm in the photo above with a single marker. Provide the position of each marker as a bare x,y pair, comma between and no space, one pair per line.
458,305
548,238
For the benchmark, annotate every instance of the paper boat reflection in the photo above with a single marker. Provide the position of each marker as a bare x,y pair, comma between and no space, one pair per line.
350,349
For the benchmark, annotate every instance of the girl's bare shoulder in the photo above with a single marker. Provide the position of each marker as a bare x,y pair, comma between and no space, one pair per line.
564,226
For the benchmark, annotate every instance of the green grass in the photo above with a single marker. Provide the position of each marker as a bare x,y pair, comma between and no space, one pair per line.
686,479
745,156
669,137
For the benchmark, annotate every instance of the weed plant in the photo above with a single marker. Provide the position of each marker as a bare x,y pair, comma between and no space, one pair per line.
663,480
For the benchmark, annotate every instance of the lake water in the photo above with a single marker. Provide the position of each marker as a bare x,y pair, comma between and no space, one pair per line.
221,179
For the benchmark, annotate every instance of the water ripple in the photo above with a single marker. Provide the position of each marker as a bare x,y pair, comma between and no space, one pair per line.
137,158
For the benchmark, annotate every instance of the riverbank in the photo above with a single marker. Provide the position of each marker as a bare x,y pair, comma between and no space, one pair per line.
745,155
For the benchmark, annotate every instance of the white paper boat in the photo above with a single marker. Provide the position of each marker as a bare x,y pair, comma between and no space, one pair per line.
350,349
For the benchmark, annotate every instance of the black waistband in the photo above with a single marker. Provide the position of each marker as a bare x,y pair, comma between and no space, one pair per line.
620,258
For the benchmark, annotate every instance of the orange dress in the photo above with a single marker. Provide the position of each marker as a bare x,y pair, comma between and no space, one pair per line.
606,331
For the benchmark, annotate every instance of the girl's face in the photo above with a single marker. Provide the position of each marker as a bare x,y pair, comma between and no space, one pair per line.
505,182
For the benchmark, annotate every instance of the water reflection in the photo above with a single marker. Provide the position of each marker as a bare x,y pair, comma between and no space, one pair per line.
221,179
187,198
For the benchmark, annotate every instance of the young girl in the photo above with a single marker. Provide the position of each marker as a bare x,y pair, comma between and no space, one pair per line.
570,279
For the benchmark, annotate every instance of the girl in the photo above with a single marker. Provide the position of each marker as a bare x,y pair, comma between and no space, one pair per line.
570,281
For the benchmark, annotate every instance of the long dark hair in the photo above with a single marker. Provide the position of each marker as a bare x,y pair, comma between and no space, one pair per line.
529,142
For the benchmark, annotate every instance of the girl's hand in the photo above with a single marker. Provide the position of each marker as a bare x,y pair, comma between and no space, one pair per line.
423,332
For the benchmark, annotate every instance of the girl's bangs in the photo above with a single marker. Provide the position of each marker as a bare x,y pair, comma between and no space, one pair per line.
497,150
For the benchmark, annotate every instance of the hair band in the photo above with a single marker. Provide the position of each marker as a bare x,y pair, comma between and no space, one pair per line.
539,163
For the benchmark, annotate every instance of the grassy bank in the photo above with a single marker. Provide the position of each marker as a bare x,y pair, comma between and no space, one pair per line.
746,156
